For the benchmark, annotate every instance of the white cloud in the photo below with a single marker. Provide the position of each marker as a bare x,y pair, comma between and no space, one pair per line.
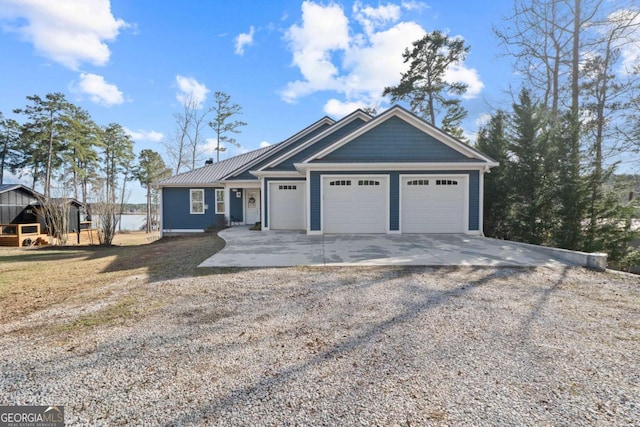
209,146
369,75
414,5
188,87
337,108
483,119
324,29
469,76
69,32
372,18
144,135
226,151
243,40
98,90
264,144
332,54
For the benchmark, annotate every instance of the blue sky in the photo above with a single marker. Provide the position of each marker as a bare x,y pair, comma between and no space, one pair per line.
287,63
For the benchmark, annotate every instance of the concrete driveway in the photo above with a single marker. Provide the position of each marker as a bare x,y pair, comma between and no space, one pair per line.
246,248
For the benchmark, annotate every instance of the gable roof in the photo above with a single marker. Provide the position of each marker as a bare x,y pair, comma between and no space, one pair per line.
350,118
300,148
399,112
308,132
9,187
233,166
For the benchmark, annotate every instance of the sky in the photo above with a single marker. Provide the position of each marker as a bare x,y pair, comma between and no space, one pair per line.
286,63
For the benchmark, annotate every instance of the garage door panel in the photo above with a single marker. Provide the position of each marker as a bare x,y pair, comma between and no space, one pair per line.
355,205
433,204
287,206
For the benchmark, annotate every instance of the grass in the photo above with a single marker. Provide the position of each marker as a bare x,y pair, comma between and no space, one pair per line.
33,279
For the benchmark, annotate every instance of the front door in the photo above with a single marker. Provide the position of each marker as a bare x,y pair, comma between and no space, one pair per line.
252,206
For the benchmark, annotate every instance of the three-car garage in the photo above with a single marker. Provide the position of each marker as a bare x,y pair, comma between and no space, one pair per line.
372,203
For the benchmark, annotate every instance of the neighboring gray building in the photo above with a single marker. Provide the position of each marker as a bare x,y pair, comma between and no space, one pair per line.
393,173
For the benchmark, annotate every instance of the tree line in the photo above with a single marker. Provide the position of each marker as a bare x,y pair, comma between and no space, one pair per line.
572,120
60,148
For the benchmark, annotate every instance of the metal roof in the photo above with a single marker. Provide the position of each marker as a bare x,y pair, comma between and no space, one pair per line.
8,187
209,174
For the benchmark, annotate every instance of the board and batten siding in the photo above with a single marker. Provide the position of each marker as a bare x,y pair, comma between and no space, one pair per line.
176,207
394,195
13,204
394,141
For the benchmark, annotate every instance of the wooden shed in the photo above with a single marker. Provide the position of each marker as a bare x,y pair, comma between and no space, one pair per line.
22,221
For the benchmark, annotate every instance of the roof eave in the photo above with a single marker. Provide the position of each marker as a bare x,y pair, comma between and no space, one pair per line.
303,167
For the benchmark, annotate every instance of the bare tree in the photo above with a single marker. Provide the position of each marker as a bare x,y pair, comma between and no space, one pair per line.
198,115
117,156
55,212
176,145
184,146
544,38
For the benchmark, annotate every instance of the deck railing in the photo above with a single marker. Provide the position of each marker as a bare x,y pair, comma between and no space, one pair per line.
17,234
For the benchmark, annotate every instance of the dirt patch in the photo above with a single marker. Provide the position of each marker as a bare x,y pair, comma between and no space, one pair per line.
33,279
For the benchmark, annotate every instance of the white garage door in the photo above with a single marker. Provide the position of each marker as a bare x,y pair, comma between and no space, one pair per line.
433,204
287,206
355,204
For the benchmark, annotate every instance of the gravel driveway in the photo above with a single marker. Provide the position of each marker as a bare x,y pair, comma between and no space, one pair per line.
370,346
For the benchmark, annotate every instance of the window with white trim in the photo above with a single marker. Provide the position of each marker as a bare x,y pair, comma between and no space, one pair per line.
196,201
341,182
220,207
418,182
446,182
368,182
287,187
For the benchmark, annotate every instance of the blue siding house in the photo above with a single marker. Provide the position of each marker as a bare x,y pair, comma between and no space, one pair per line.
393,173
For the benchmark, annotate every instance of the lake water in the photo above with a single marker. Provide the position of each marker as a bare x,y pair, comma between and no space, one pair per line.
132,222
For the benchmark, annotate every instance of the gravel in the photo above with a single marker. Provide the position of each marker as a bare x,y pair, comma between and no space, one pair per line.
344,346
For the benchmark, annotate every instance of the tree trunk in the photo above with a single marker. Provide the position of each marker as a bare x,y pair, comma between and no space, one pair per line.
148,228
2,163
75,175
47,182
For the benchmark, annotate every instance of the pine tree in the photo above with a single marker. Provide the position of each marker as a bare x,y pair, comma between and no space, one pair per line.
492,141
424,86
531,171
10,154
151,168
45,132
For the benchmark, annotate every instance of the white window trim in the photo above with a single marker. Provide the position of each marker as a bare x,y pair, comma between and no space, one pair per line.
224,200
191,191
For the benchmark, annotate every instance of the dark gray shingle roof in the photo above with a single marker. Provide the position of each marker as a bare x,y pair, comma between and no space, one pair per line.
211,173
